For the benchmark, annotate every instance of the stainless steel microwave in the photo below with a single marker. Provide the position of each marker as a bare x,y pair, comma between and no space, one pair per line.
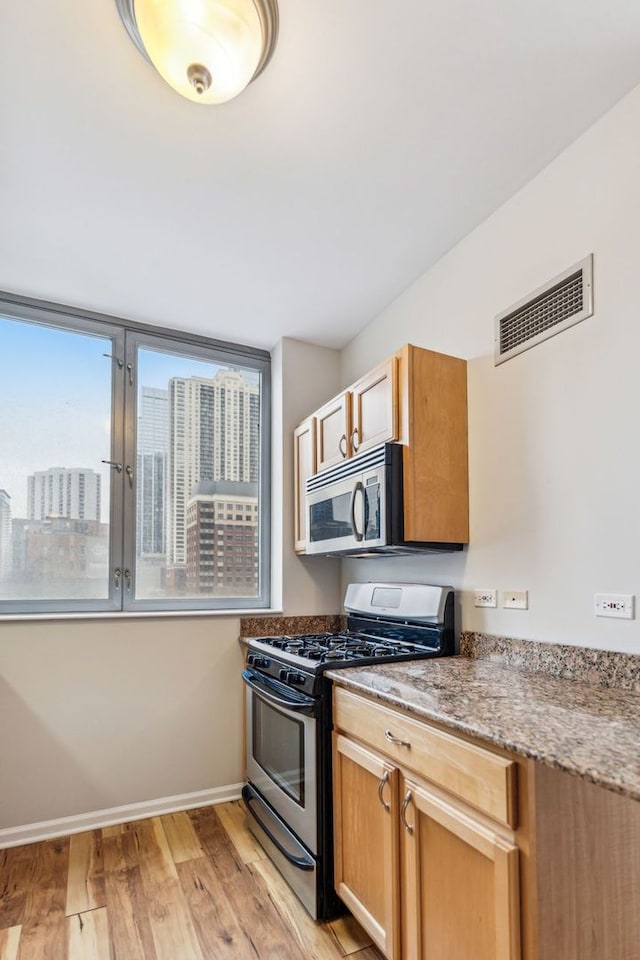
356,508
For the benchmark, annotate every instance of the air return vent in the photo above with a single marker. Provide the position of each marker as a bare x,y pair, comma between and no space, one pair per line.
565,300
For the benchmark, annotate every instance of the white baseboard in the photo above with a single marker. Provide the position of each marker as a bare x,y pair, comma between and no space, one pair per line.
47,829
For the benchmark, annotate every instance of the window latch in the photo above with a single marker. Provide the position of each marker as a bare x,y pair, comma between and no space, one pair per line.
119,362
113,463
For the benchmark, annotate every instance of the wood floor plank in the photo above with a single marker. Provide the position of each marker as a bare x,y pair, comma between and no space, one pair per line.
315,940
129,925
221,932
44,927
226,903
234,820
112,831
349,934
9,943
85,884
215,841
260,920
16,875
171,923
88,936
181,836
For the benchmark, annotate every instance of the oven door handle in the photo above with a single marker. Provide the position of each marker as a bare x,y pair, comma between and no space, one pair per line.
305,862
251,680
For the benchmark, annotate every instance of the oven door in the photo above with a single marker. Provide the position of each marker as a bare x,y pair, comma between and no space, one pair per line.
281,751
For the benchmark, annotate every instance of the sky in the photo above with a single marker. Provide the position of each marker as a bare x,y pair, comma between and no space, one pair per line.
55,401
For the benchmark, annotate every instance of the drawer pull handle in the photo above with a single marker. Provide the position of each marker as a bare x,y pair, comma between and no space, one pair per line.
341,441
399,743
403,812
384,781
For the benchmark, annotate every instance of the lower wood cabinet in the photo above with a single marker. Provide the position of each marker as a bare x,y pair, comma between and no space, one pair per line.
428,877
446,850
367,841
459,882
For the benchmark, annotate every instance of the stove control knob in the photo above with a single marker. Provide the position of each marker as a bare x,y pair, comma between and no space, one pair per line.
256,660
291,676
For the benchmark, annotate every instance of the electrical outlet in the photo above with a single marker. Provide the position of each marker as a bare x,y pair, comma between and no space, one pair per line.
516,599
618,605
485,598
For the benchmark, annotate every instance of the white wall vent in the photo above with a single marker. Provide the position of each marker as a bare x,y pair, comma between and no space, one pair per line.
565,300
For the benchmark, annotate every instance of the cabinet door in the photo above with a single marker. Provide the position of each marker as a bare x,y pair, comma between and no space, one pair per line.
366,841
460,881
332,431
375,407
304,466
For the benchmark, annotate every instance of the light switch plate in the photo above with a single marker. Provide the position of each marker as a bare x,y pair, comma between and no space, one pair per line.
515,599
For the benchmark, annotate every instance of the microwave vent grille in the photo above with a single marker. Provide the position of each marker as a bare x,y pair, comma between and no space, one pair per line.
559,304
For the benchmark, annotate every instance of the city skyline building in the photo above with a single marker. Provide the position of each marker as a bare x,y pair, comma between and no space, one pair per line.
70,493
6,556
214,435
222,539
151,472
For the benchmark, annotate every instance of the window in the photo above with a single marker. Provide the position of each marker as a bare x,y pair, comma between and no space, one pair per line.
119,446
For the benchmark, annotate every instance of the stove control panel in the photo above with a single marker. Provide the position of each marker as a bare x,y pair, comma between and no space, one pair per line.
292,676
256,660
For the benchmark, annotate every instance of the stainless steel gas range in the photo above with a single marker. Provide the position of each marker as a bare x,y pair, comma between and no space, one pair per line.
288,721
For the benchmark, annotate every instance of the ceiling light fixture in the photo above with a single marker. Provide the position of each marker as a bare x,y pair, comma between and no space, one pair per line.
207,50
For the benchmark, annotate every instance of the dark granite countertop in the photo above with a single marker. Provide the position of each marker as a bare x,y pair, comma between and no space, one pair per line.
586,730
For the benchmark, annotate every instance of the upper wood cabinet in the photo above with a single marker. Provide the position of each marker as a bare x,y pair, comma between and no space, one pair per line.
304,461
359,418
333,422
418,398
374,407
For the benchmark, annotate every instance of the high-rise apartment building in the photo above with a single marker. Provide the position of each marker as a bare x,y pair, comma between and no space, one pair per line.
5,534
222,539
214,434
73,494
151,472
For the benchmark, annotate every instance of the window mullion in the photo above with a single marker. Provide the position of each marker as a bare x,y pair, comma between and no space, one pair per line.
116,564
130,472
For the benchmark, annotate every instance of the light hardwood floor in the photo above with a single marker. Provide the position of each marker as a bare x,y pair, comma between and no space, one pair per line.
186,886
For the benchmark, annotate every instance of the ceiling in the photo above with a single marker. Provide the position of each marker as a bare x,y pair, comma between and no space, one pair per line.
379,135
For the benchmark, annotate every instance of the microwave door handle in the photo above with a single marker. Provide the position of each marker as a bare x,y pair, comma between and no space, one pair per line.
359,488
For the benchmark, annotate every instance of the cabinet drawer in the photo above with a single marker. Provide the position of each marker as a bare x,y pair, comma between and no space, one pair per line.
482,779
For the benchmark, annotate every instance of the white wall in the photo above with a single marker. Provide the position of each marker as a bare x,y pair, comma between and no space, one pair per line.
101,713
554,448
305,376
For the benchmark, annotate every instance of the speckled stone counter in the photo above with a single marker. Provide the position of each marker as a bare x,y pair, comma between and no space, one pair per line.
586,730
604,668
268,626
